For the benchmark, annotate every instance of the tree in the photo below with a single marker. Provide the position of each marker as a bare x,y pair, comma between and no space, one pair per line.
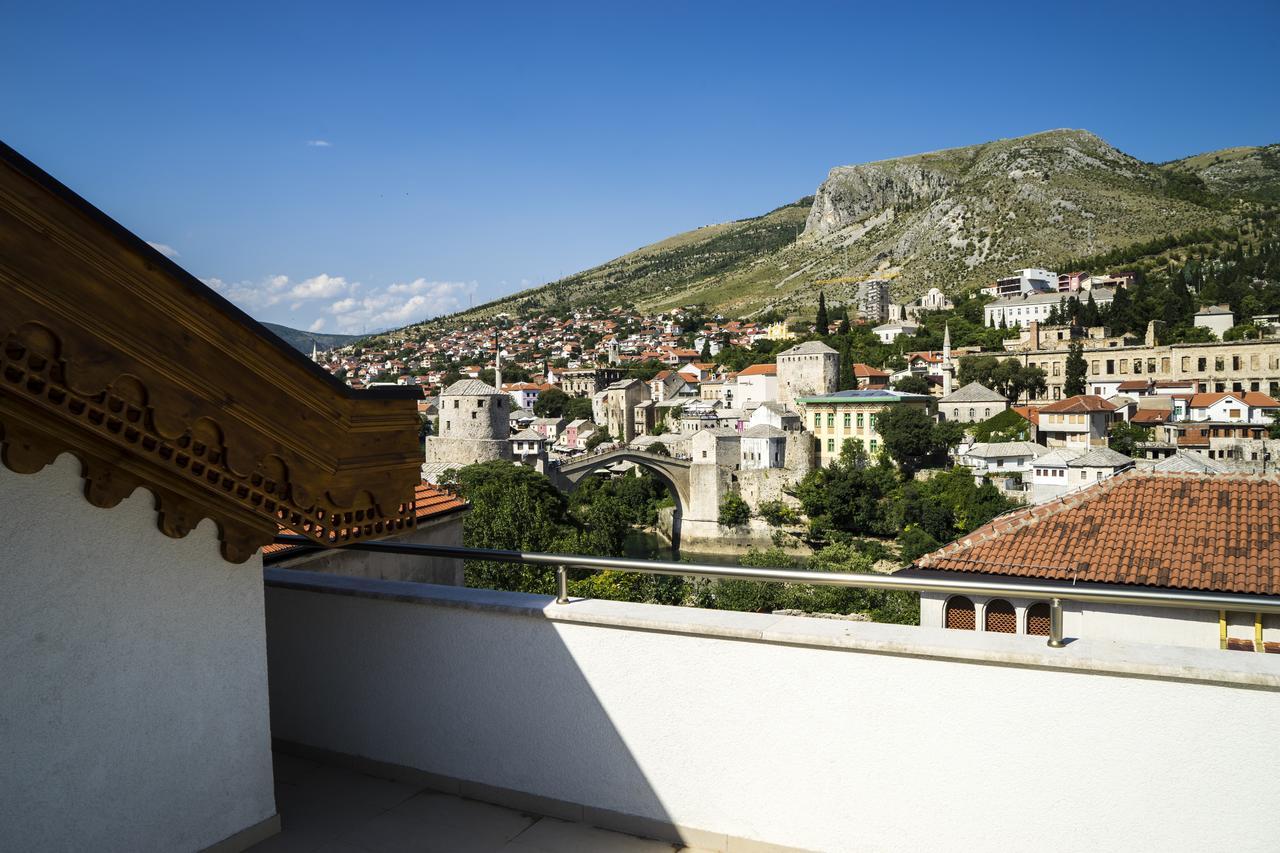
1090,316
734,511
598,437
915,543
1076,370
911,438
578,408
1123,437
705,355
659,449
821,324
912,384
1006,426
550,403
1120,315
1273,428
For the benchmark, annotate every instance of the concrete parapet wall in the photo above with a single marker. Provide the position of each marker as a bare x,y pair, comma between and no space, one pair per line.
717,728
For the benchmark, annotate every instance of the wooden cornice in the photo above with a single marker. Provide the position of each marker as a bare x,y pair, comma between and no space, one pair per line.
113,353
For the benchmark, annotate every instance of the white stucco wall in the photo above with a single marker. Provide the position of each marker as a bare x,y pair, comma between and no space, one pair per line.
1173,626
133,679
810,733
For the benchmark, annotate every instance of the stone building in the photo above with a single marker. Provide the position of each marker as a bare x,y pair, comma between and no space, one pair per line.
613,409
973,403
473,428
1235,366
807,369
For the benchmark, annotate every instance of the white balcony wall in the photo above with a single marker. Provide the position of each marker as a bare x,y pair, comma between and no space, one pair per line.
718,727
133,678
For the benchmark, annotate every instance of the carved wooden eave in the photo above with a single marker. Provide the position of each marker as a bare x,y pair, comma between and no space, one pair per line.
113,353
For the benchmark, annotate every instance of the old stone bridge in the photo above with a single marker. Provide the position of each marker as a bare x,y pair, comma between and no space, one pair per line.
673,472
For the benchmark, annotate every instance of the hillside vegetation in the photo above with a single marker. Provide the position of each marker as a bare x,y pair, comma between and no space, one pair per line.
952,219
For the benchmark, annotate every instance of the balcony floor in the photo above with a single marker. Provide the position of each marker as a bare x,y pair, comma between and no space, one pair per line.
327,809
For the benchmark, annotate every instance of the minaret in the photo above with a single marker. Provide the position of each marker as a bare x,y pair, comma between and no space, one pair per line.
497,364
948,369
315,352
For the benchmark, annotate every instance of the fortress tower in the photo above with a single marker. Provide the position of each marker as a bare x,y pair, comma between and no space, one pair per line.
473,426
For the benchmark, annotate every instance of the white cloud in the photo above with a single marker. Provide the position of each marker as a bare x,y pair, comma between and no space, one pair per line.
320,287
359,308
275,289
401,304
164,249
319,143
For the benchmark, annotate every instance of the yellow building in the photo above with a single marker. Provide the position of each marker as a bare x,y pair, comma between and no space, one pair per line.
778,332
834,418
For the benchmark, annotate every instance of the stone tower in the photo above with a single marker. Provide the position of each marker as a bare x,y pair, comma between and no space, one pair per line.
473,426
808,369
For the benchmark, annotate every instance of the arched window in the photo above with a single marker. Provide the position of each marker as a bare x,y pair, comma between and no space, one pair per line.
960,613
1038,619
1000,618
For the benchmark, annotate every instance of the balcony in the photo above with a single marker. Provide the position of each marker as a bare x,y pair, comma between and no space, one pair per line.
741,731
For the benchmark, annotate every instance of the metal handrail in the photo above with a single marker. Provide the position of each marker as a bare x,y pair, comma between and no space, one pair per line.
1055,593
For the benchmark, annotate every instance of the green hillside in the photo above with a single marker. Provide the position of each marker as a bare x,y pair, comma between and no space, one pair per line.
953,219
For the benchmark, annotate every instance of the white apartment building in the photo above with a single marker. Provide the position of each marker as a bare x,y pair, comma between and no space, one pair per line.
1034,306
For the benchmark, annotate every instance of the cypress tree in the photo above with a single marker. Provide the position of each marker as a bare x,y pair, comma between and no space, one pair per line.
1076,370
821,323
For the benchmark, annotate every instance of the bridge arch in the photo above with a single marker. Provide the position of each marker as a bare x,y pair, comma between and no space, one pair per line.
673,473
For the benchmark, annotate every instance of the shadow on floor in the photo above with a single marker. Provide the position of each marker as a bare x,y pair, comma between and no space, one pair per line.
327,809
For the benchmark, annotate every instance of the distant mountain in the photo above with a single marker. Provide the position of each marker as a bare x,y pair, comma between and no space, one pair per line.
952,219
302,341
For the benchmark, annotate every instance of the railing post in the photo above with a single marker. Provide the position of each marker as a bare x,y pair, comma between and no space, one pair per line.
562,585
1055,624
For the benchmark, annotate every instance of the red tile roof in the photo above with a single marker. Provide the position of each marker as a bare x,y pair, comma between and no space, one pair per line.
1255,399
1079,403
1216,533
1029,412
1150,416
860,369
429,500
760,370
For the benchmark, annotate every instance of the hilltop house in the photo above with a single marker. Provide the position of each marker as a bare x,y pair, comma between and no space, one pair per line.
1080,421
973,403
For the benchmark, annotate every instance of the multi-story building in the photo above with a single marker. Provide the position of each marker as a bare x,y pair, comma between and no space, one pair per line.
613,408
1081,421
1235,366
843,415
1034,306
871,300
1023,282
757,383
1216,318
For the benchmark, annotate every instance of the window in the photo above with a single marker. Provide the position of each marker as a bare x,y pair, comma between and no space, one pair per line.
1000,617
817,420
831,420
1056,365
1202,364
874,418
831,445
480,403
873,445
848,419
455,404
1186,363
960,614
1111,366
1233,413
971,414
859,420
1038,619
1235,362
1219,364
473,416
1093,368
447,425
1151,365
1124,366
1137,365
704,454
986,413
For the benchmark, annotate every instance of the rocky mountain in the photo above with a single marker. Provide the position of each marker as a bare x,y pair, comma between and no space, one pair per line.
302,341
953,219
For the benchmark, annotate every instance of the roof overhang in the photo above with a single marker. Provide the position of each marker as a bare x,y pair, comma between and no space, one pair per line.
113,353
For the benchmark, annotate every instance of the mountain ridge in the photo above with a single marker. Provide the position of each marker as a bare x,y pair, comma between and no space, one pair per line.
953,218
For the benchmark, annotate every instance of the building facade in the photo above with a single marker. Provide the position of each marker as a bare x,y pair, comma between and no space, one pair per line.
807,369
850,415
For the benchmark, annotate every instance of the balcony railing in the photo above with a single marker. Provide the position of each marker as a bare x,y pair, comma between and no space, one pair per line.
1055,593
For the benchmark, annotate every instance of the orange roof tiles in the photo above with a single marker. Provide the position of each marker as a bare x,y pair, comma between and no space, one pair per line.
759,370
860,369
429,501
1080,403
1249,398
1150,416
1216,533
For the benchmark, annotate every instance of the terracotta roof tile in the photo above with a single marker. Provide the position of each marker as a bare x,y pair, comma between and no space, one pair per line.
1080,403
1184,531
429,500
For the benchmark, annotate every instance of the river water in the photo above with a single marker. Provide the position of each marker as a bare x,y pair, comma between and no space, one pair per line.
644,544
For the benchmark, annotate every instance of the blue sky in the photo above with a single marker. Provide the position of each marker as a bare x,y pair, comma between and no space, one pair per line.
362,166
